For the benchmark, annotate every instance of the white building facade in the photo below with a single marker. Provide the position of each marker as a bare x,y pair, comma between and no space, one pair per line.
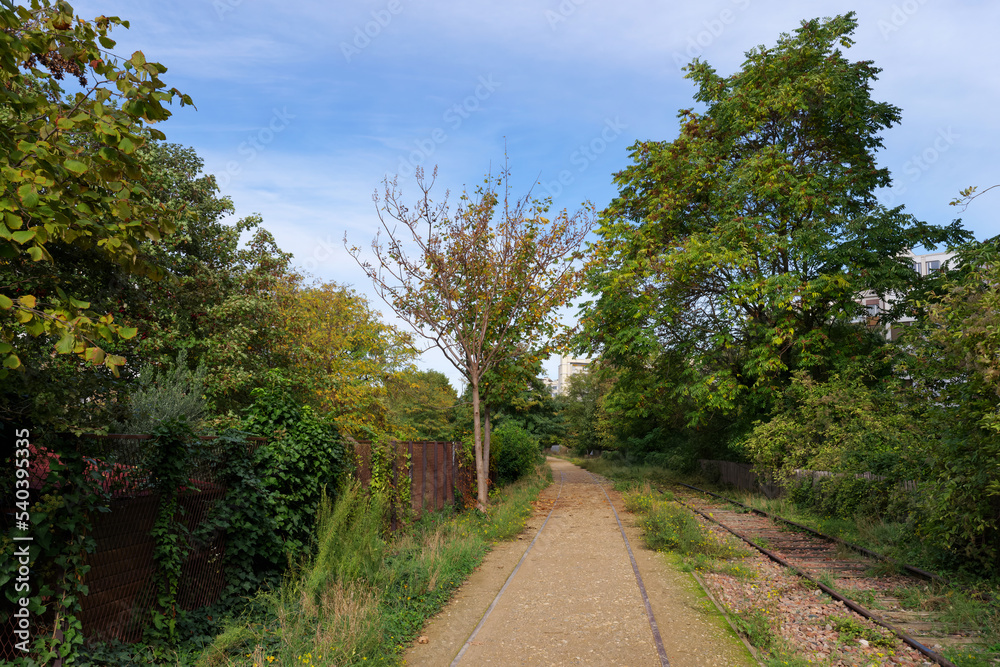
925,265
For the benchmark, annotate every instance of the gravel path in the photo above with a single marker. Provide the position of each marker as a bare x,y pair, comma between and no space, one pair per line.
574,600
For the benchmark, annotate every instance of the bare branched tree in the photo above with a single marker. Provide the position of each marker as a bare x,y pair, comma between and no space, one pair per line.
483,283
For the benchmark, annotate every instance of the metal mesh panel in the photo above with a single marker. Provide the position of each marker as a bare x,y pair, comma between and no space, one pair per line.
122,577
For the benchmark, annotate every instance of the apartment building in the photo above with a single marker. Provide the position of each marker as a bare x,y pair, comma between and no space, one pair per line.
925,265
568,367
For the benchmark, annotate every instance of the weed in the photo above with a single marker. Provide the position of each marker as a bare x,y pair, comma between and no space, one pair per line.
825,578
754,625
364,596
850,628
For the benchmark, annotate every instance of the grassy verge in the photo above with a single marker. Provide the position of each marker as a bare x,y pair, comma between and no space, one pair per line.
973,604
363,597
976,607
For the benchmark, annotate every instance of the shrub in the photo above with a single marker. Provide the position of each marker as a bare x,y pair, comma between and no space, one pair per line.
846,496
513,452
171,393
658,459
305,455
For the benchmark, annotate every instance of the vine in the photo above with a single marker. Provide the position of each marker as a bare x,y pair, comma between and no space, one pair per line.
253,549
170,460
62,523
390,479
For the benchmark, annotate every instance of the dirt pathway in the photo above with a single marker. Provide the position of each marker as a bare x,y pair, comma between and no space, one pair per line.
575,599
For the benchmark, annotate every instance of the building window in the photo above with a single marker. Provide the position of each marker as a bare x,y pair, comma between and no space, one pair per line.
916,267
871,305
933,266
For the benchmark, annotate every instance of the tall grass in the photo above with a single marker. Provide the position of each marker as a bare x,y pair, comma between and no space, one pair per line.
667,526
364,595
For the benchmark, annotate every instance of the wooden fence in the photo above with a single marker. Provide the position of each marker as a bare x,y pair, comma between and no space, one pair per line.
744,476
433,471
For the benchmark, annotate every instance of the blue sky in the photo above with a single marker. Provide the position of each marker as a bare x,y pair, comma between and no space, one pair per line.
303,107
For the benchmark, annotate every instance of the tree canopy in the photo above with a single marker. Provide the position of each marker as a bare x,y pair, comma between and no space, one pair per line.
738,252
481,283
71,178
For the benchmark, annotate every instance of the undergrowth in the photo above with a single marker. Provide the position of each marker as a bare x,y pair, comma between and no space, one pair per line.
365,595
973,605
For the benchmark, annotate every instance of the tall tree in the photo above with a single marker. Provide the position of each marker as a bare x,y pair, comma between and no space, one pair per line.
742,247
483,283
344,356
953,366
422,405
70,175
221,300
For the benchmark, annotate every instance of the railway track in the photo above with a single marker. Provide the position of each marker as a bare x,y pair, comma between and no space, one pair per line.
854,575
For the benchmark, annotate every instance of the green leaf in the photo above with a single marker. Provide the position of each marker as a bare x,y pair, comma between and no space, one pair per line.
29,198
95,355
23,236
66,343
126,145
12,361
35,253
75,166
127,332
6,302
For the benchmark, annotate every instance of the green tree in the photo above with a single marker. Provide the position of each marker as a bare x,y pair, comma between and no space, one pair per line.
344,356
735,253
517,394
584,410
223,301
422,405
70,175
482,284
954,368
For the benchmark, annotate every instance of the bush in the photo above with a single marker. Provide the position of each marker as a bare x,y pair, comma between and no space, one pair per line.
174,392
305,455
847,496
657,459
514,453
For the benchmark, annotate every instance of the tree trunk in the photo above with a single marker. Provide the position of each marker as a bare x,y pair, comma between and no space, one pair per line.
477,436
487,430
